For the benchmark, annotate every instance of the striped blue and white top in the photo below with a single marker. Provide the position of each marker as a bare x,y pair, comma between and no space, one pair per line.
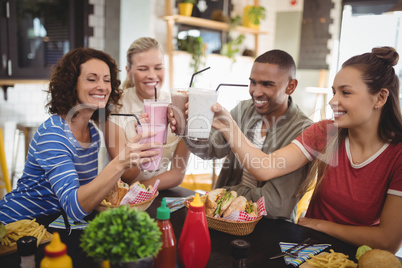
57,165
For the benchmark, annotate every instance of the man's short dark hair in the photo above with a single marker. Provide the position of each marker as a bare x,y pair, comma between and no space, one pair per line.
280,58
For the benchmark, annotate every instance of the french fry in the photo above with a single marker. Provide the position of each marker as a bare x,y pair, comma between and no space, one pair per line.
14,236
332,260
5,241
18,229
37,231
105,203
40,237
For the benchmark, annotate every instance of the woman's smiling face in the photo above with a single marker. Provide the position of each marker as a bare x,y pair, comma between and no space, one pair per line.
352,103
147,72
94,84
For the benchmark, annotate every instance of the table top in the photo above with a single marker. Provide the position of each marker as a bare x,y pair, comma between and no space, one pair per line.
264,240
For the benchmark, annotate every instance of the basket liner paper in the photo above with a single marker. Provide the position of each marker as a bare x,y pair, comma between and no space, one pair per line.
241,216
137,194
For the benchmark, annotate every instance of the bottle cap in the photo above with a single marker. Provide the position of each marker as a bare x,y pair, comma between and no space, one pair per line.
240,248
26,245
197,201
163,212
56,248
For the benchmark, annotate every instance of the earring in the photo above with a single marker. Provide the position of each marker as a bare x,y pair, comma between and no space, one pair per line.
376,107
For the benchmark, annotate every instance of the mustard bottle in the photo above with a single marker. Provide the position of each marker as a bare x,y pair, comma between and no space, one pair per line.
56,254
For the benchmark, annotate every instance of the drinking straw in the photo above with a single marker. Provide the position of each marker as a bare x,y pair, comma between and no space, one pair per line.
231,85
136,117
156,98
192,77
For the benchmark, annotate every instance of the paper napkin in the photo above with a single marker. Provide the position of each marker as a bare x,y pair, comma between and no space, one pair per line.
137,194
177,203
304,254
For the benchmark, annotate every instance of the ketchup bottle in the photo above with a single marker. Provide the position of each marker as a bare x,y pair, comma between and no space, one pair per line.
167,255
195,242
56,254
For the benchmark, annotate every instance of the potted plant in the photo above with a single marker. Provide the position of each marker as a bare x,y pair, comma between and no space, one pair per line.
232,47
124,236
186,7
253,15
196,48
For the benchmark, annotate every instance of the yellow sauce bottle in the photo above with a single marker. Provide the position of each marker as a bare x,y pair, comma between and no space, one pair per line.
56,254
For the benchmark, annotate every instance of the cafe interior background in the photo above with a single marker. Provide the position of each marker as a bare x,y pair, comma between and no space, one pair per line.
319,34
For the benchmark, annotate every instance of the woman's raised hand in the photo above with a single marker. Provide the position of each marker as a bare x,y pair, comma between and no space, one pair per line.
135,153
171,118
222,119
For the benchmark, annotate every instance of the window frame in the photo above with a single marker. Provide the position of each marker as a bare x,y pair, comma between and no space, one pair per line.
9,69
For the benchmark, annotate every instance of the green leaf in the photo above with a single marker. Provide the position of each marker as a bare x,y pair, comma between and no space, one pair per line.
257,13
188,1
121,234
2,231
195,46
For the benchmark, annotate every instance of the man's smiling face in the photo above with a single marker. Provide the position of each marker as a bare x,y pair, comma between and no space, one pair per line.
269,89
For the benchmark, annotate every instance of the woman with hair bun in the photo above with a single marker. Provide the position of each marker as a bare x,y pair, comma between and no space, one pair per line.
356,157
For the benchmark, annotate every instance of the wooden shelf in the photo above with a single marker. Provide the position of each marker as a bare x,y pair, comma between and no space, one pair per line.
210,24
6,83
172,19
12,82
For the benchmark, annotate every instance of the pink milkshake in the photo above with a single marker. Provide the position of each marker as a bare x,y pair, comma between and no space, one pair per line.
157,111
159,129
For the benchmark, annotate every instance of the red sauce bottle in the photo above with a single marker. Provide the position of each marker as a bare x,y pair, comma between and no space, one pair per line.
195,242
167,255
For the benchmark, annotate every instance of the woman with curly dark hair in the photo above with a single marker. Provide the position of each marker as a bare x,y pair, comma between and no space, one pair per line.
61,172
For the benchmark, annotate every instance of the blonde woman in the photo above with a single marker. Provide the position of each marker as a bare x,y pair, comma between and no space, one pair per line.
357,156
145,72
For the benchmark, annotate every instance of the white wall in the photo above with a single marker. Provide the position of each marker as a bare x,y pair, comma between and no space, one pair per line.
135,22
287,37
25,103
97,22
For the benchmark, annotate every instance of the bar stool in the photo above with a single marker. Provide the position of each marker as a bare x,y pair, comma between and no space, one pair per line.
28,130
5,177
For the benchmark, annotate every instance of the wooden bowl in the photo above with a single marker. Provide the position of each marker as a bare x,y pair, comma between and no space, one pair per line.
140,206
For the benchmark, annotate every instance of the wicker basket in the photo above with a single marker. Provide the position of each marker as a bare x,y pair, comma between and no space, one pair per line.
140,206
230,227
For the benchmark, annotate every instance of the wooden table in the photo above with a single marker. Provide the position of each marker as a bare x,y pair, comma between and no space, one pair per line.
264,240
